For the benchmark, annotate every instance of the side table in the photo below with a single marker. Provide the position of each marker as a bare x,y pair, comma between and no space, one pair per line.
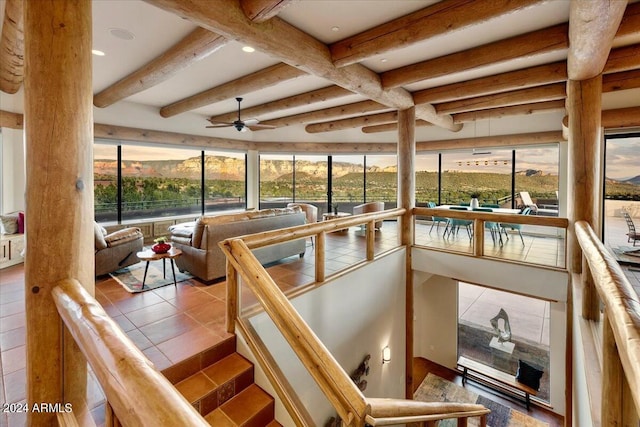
148,256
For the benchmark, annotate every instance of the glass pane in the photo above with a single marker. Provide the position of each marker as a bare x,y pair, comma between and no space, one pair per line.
426,179
158,183
497,328
348,182
622,194
105,182
311,176
486,173
382,180
276,180
537,175
224,176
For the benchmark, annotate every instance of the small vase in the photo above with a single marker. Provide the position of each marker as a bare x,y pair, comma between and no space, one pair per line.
161,248
335,211
474,204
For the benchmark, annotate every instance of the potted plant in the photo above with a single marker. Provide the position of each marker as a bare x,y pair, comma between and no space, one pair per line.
161,246
334,206
474,200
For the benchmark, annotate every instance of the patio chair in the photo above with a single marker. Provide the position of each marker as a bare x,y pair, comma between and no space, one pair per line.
528,202
493,227
436,219
633,235
453,225
516,227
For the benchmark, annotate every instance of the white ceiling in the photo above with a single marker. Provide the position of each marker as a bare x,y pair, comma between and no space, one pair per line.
156,30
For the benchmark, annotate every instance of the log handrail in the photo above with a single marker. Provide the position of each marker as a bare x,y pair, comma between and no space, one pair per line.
622,307
138,393
547,221
334,382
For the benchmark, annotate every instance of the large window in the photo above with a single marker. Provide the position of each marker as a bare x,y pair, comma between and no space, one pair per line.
347,181
310,183
105,182
382,180
276,180
225,181
537,174
426,179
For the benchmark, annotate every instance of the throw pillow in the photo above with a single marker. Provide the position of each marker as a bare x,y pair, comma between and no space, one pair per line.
21,222
99,233
529,375
10,223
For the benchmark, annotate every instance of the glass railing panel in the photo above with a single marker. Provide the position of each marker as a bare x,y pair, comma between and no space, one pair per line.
531,244
440,232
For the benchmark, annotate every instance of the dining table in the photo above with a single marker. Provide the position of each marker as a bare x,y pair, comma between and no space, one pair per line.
494,210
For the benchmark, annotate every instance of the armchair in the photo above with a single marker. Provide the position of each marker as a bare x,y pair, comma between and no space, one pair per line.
370,207
116,250
310,211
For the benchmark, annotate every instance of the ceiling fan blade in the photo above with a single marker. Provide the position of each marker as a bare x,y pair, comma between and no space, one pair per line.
220,125
259,126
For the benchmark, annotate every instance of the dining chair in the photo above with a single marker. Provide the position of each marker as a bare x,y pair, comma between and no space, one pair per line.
516,227
436,219
453,225
633,235
491,226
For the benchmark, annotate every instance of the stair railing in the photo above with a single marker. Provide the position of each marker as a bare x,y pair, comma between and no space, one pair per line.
137,393
347,400
601,273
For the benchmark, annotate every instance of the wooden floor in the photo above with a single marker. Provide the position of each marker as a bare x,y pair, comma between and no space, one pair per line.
422,367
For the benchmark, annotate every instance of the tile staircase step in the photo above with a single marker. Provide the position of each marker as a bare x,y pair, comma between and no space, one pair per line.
252,407
188,367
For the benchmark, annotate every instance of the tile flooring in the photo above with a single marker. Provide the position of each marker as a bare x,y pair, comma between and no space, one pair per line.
170,324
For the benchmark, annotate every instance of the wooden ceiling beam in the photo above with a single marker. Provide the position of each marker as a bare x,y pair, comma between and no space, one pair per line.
356,108
629,30
621,118
12,47
11,120
531,44
303,99
550,92
388,127
592,28
436,20
263,10
261,79
197,45
514,110
296,48
492,141
623,59
353,122
621,81
520,79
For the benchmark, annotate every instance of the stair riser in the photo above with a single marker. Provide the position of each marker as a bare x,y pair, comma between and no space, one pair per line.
186,368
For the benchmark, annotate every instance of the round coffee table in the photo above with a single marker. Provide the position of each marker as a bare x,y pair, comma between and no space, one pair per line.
148,255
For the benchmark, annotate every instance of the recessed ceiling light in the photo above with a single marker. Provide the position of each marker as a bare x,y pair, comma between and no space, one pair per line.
122,34
383,60
97,52
248,49
335,29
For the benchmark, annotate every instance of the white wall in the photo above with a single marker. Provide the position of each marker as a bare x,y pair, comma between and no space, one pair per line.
353,315
13,171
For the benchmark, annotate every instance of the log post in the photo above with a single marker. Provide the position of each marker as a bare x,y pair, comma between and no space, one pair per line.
59,193
407,200
478,237
232,297
585,111
371,238
612,377
320,256
590,300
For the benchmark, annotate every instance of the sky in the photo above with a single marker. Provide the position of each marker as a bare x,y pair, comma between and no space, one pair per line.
622,158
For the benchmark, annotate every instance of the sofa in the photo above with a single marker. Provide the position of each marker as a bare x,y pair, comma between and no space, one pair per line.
370,207
201,255
116,250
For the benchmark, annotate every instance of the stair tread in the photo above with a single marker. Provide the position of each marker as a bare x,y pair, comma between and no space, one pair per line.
246,404
218,418
196,387
228,368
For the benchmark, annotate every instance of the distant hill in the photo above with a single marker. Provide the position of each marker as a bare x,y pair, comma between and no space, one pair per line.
635,180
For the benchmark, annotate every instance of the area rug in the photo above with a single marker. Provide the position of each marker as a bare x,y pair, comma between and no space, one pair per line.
131,277
436,389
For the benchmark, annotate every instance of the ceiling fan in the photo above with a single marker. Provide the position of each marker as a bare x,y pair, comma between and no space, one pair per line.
240,125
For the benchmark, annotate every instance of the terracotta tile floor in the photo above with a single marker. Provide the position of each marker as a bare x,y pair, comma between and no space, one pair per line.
171,324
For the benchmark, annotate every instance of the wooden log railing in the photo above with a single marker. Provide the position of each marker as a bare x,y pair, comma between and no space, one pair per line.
621,331
353,408
137,393
479,219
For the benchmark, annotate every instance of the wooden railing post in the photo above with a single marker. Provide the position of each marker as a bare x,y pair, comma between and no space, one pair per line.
612,377
371,237
320,256
590,301
478,237
232,297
